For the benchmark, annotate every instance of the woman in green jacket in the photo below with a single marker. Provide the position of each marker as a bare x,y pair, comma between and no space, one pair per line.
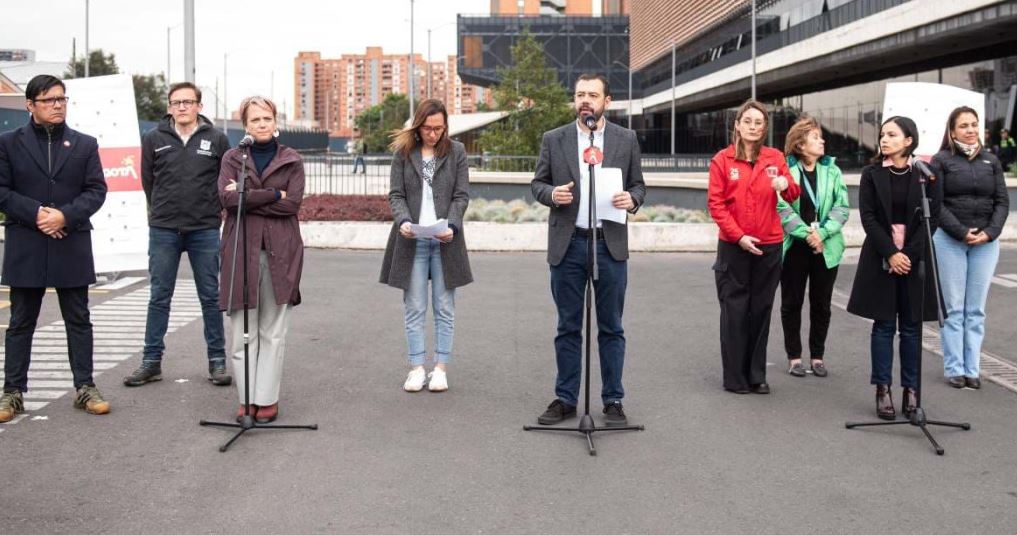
813,244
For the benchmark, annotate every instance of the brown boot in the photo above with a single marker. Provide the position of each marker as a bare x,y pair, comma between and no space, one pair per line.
267,413
91,400
909,401
11,403
884,403
240,412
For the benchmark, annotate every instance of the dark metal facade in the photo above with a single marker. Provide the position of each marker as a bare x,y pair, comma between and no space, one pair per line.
574,45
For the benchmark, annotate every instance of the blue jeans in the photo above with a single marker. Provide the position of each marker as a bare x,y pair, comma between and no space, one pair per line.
568,287
965,274
910,343
164,249
427,264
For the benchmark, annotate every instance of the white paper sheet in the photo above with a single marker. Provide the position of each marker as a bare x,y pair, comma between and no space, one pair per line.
429,231
609,182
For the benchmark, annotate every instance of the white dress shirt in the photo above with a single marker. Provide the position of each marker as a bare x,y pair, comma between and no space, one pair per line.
583,216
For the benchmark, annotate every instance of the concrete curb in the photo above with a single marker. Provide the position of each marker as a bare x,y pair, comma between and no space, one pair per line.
482,236
643,237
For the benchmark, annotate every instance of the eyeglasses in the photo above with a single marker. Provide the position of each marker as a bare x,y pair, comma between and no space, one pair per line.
51,101
182,103
432,129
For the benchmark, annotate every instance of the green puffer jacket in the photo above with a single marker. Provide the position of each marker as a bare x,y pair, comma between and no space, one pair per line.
832,210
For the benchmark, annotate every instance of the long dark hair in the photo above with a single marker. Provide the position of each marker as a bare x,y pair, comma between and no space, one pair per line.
407,139
908,127
951,122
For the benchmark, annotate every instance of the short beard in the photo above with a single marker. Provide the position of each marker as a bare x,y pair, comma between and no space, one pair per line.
597,116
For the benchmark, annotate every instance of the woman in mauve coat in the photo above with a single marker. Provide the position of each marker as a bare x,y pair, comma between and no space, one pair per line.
275,255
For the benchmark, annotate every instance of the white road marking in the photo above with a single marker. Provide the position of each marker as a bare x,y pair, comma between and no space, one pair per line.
118,334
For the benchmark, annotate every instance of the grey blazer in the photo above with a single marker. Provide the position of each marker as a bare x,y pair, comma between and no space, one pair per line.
451,196
559,164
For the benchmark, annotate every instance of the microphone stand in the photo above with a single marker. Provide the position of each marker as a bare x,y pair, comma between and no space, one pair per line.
247,422
918,417
586,424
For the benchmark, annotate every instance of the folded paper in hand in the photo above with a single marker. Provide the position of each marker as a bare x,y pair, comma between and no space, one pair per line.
429,231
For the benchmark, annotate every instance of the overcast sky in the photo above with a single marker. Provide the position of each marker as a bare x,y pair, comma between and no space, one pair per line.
261,36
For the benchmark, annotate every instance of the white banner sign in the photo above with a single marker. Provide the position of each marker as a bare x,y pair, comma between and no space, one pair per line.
103,107
929,106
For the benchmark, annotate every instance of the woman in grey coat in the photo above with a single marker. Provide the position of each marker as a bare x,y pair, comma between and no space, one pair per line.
429,182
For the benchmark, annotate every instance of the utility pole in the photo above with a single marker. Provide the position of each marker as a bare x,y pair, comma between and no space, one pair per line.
412,69
86,39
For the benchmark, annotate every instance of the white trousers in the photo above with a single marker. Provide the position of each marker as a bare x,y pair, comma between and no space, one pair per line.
268,324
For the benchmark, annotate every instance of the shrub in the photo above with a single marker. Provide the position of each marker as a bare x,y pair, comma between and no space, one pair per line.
345,208
376,208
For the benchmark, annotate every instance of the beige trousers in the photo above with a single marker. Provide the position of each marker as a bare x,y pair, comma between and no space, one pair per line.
268,324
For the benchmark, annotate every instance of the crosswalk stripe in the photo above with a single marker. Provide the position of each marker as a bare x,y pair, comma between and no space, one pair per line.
102,365
120,283
67,385
136,335
62,357
45,394
118,335
1006,283
49,375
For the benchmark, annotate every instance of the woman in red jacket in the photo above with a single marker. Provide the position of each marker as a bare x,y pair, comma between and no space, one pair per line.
745,179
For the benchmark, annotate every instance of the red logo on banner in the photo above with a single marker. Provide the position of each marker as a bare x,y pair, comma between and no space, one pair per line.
122,168
593,156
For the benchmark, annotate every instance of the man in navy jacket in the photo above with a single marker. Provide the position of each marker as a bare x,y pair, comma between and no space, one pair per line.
51,182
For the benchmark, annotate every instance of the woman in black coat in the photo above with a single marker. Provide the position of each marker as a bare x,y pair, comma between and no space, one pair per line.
890,287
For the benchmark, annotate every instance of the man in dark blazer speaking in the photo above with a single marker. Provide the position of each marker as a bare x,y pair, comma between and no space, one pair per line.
561,182
51,182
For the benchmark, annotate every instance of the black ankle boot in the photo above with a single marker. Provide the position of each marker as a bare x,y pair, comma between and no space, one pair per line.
884,403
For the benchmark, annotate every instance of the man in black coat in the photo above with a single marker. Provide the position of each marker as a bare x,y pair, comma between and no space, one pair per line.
180,162
51,182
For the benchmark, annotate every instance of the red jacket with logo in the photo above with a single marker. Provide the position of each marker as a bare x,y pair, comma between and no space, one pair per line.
741,199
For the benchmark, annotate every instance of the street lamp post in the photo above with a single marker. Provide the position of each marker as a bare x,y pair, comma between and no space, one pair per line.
413,72
169,64
86,38
225,103
430,76
629,67
753,49
673,74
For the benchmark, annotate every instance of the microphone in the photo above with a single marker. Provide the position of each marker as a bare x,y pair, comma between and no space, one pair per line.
247,141
590,121
923,168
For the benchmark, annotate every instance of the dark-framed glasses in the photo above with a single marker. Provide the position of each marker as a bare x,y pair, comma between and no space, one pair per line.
182,103
433,129
51,101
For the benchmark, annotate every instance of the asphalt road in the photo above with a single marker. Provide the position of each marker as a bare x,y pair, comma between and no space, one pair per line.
385,461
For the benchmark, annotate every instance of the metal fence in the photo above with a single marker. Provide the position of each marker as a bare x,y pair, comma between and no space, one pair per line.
345,174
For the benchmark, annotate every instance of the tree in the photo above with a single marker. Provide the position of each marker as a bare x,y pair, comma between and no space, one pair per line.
150,96
377,122
99,64
149,90
534,97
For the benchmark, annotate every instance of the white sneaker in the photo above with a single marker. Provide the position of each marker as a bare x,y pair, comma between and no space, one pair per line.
439,381
415,380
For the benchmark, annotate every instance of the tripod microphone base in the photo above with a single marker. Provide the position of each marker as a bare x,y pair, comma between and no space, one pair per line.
919,420
587,428
248,423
